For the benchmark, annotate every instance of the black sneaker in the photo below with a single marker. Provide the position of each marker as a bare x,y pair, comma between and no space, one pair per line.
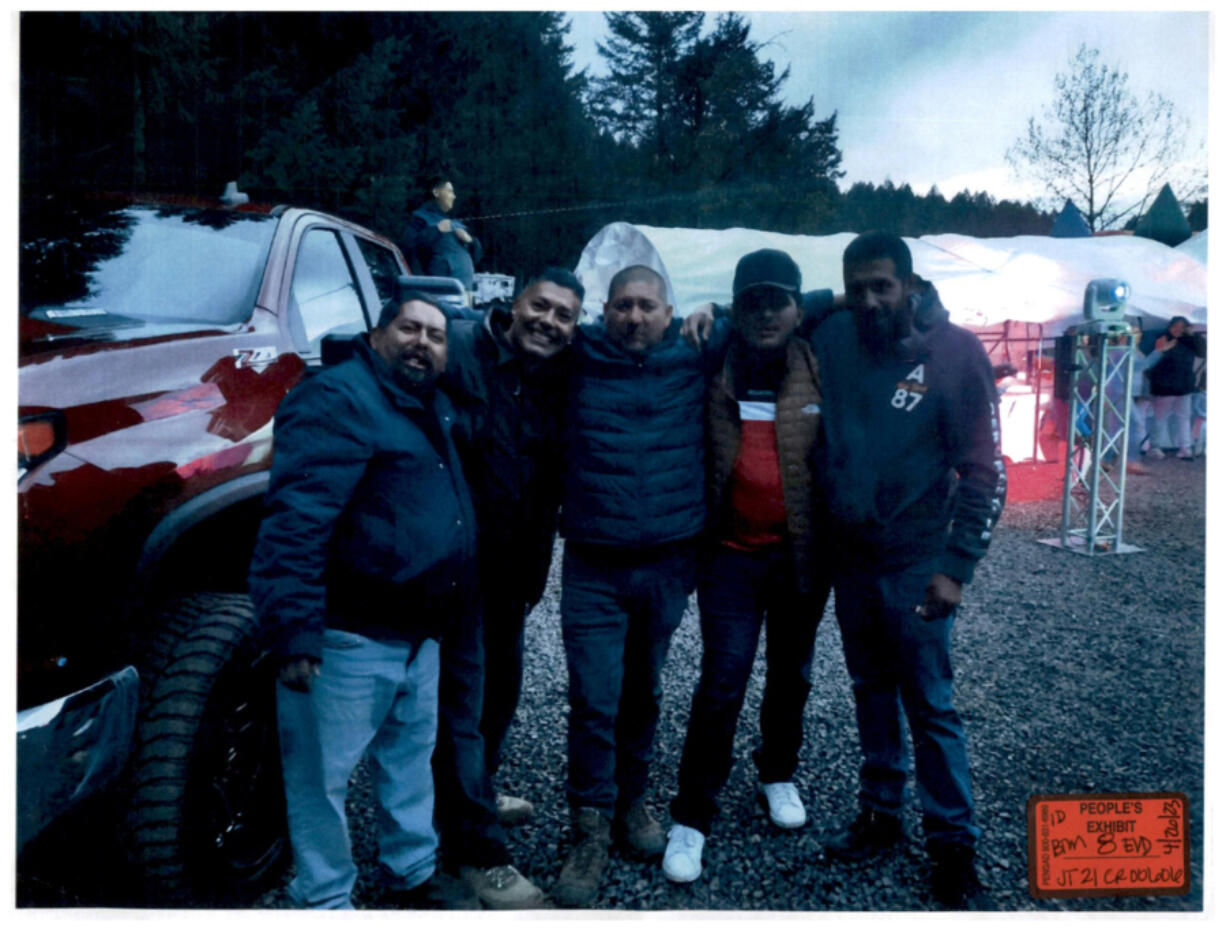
442,891
955,880
871,832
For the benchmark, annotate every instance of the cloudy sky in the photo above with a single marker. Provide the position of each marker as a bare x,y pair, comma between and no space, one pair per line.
937,97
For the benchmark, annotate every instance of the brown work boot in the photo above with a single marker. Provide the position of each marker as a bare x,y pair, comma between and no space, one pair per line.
579,882
638,830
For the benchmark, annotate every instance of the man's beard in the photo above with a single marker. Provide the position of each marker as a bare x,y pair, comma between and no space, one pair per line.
883,328
417,380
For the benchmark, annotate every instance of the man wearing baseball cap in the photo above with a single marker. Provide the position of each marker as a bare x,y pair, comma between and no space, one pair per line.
757,564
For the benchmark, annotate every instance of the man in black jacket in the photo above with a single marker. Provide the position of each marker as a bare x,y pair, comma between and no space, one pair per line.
507,375
1172,381
910,468
367,552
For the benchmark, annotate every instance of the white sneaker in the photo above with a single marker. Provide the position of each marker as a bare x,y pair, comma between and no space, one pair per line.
782,802
683,855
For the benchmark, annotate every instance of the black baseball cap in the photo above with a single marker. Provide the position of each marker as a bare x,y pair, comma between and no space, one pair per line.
767,267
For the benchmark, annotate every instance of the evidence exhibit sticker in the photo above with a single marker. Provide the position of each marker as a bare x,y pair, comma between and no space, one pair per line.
1108,845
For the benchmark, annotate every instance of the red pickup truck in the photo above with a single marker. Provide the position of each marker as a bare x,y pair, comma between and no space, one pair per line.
156,341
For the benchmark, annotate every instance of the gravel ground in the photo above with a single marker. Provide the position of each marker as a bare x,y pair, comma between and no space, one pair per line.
1064,680
1073,675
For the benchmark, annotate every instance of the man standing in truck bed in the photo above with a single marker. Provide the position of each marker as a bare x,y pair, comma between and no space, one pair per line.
435,243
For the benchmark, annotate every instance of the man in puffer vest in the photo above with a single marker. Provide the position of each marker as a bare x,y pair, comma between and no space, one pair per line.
632,509
757,563
1172,382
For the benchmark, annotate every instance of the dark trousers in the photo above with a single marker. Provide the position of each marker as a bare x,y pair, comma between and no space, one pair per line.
737,593
503,629
619,612
900,664
465,809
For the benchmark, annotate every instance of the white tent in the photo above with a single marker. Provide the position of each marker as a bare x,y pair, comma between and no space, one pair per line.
1027,286
1197,247
983,282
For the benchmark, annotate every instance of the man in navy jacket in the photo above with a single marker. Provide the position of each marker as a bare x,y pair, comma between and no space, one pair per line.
367,552
910,468
632,508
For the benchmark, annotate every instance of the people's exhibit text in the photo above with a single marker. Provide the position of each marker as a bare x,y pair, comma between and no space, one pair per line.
1099,845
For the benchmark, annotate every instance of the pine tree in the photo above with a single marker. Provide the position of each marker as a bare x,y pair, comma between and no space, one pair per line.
637,102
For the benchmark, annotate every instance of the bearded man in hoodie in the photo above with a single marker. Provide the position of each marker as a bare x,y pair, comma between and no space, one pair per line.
910,469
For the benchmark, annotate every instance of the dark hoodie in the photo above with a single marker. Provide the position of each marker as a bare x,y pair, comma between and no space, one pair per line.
909,459
1175,374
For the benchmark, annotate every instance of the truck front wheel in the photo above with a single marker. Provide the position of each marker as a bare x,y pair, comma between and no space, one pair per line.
206,820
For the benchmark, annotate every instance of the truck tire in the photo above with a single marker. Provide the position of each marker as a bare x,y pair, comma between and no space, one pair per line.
206,816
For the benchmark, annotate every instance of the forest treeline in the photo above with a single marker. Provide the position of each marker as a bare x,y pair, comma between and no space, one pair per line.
352,112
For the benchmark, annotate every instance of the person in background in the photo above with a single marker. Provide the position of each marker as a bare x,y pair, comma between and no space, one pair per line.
435,244
1172,381
1200,409
365,557
758,562
1138,425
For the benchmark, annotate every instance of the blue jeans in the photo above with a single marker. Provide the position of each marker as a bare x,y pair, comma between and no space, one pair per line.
737,592
619,612
899,663
380,695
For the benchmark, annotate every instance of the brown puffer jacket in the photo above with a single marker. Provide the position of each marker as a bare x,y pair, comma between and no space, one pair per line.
796,421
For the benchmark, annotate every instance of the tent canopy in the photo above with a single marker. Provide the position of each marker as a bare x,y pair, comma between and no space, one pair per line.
1164,220
1070,224
983,282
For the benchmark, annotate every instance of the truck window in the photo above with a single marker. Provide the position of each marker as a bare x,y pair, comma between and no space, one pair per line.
384,267
325,294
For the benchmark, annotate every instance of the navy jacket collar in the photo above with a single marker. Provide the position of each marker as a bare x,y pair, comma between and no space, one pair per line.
599,339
